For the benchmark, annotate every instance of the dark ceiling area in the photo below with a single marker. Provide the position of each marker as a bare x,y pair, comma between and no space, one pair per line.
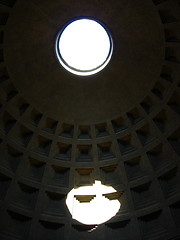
60,131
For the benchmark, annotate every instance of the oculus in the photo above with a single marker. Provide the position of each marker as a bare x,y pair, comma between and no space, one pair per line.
84,47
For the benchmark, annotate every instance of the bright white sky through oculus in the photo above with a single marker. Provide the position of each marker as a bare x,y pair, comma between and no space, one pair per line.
84,45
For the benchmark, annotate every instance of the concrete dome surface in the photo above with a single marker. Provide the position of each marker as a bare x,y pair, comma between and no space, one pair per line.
60,131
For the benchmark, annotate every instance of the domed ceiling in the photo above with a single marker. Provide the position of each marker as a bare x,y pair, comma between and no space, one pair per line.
120,126
135,65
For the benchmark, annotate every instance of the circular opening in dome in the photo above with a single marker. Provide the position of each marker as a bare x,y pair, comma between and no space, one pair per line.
93,205
84,47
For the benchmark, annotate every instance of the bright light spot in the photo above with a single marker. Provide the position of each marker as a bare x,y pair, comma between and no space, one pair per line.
98,210
84,47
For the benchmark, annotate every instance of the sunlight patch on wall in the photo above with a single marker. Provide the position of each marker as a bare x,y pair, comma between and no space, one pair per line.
94,204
